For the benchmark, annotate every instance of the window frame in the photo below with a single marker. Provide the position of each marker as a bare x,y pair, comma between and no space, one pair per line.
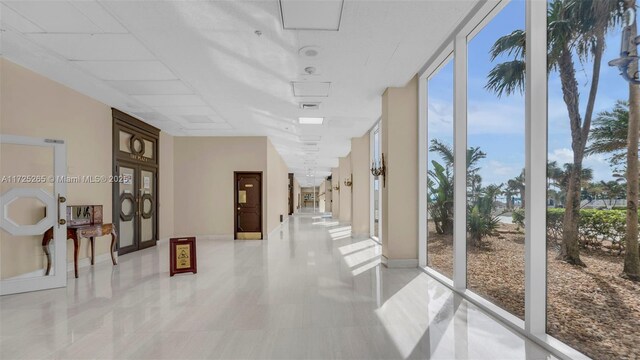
534,325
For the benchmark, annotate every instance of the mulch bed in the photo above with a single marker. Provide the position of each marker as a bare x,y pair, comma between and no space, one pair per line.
592,309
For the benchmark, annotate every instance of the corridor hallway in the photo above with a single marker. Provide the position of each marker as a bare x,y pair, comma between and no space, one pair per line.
308,291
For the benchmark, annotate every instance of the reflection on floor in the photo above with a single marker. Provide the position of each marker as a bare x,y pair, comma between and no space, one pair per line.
309,291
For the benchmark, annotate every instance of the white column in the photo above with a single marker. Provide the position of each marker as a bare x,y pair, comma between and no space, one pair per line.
460,168
536,167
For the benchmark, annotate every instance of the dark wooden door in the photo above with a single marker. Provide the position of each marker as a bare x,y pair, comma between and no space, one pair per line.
137,220
248,205
290,193
135,195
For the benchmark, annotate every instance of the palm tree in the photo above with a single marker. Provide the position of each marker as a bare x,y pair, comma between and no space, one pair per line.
611,191
474,154
517,184
609,133
574,26
631,268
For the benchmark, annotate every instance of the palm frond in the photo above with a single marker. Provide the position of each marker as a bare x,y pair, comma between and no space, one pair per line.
507,78
510,45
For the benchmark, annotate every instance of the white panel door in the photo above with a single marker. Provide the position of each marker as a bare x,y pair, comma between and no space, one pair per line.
32,203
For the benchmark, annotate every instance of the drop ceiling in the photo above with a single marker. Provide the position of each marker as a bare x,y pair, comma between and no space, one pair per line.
233,68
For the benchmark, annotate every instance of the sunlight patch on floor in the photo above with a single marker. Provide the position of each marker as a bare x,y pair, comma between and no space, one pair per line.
361,245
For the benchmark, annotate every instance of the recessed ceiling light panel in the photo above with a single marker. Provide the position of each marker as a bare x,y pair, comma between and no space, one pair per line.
311,120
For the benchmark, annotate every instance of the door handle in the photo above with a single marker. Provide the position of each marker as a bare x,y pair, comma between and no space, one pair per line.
238,208
61,200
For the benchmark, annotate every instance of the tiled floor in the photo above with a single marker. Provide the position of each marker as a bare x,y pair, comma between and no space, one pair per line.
309,291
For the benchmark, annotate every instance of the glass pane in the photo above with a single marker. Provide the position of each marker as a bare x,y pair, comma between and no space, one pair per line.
440,193
124,142
24,256
495,161
148,202
148,149
127,207
590,306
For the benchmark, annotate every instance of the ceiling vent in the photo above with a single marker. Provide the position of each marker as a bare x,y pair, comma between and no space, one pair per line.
310,105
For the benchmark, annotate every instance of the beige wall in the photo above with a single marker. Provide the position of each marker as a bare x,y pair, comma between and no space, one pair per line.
345,191
32,105
400,196
322,197
166,187
328,195
361,183
277,194
204,192
335,181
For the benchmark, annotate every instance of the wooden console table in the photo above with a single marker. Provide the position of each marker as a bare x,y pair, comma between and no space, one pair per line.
77,233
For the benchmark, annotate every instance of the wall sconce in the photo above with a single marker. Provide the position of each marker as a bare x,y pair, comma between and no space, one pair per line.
379,169
337,187
348,181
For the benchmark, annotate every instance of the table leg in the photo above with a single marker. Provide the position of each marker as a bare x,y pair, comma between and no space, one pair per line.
75,255
45,248
92,249
113,247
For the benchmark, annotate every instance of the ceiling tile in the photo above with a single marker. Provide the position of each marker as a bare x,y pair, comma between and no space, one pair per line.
158,87
99,16
55,16
202,119
94,46
127,70
311,15
186,110
170,100
16,21
311,89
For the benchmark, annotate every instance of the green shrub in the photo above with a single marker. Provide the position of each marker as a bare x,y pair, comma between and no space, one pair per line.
517,216
595,227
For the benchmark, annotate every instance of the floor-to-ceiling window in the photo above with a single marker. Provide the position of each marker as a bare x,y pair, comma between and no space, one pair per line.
592,304
496,161
582,170
440,194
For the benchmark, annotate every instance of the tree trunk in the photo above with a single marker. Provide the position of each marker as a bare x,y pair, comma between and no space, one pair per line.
570,249
632,257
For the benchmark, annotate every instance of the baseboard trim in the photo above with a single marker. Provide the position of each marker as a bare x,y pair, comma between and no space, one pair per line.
279,227
399,263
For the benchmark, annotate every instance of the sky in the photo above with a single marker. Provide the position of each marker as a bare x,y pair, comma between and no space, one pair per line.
496,125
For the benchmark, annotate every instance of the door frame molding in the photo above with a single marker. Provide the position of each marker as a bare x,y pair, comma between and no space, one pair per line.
129,123
235,202
59,278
